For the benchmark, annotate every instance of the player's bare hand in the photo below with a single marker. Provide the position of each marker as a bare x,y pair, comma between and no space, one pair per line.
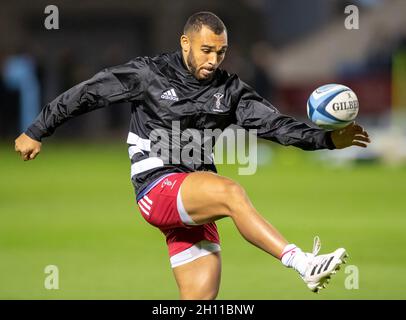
27,148
351,135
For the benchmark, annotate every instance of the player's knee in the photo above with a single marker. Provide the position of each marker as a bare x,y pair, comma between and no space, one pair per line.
209,295
199,294
232,195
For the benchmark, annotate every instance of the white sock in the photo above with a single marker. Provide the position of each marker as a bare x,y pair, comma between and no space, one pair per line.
294,257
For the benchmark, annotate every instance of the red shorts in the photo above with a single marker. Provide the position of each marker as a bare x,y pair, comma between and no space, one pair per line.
162,207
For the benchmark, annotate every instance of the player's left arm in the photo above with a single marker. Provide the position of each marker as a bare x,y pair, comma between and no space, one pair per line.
351,135
255,112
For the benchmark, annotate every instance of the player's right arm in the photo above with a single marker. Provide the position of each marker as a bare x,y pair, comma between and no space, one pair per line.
27,147
112,85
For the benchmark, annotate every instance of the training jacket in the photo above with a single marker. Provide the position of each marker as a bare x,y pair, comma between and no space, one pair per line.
162,92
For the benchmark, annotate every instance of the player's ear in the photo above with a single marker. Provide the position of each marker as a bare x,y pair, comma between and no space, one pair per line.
185,43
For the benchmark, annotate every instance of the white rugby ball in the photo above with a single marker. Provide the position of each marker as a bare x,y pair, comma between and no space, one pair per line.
332,106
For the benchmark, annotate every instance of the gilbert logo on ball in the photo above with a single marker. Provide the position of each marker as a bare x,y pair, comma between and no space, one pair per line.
332,106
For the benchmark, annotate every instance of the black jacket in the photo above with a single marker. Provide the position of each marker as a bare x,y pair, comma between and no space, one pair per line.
163,93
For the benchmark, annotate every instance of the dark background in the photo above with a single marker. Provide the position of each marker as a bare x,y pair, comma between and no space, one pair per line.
278,47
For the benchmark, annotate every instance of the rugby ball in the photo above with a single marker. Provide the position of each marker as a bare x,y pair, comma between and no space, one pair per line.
332,106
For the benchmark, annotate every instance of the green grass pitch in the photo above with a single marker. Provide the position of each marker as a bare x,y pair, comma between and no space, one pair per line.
74,207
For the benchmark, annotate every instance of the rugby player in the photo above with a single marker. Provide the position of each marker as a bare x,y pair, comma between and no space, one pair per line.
185,198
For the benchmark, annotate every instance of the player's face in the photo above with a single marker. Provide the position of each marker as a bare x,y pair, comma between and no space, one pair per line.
203,52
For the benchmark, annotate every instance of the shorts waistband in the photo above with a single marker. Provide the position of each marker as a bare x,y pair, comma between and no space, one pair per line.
150,186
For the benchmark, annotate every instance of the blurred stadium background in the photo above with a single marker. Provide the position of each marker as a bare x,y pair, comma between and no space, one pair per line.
74,206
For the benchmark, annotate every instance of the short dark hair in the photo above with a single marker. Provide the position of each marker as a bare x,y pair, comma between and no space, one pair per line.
204,18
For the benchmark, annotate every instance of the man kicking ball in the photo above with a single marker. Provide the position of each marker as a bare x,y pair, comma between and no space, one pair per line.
184,198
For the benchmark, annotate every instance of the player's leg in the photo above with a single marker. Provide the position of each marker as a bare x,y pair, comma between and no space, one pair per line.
199,279
208,197
194,250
